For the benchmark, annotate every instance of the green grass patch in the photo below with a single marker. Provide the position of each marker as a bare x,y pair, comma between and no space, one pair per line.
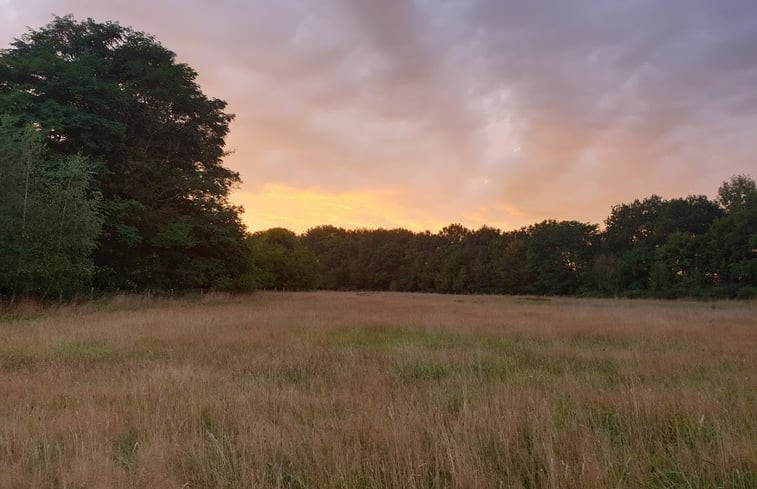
679,429
499,368
151,349
394,337
674,478
16,319
85,352
426,371
15,360
125,449
597,369
300,373
594,340
612,425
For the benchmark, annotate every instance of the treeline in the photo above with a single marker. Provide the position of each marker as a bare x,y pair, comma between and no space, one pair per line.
693,247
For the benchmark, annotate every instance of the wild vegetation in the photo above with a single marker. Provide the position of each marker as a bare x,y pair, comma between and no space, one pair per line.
149,146
350,390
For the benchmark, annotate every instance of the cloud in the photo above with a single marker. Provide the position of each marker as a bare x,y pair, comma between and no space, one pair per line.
9,11
466,110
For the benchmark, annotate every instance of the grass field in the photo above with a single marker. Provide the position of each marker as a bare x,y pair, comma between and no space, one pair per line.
379,390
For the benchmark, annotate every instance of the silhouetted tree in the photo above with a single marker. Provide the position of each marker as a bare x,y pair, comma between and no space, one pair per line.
732,240
736,193
559,255
117,96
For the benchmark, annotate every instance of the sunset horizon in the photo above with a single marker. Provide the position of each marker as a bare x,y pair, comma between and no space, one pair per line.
421,114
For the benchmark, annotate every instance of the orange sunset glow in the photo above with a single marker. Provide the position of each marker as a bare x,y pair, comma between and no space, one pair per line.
418,114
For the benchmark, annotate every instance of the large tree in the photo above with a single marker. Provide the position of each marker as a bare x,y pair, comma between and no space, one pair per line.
732,240
559,255
636,231
119,97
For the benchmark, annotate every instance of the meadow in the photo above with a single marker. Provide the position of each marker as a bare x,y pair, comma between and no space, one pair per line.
364,390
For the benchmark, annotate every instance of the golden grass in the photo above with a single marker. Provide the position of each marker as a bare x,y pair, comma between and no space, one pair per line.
379,390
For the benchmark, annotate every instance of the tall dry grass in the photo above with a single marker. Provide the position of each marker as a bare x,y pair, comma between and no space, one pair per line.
379,390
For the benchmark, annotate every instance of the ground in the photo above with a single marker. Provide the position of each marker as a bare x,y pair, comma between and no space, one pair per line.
362,390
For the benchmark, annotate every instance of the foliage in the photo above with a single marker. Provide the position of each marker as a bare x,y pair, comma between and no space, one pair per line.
559,256
281,262
118,96
49,215
737,193
732,240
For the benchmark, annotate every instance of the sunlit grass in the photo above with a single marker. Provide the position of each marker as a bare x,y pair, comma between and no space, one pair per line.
379,390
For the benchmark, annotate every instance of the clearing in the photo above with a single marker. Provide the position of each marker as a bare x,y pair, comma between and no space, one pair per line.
364,390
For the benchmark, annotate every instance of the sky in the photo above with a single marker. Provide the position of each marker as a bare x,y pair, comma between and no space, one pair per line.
418,114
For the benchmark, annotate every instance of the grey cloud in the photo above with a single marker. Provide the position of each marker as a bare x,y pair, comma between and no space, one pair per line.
651,73
554,108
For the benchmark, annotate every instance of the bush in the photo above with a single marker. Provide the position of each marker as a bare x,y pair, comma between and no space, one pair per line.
747,292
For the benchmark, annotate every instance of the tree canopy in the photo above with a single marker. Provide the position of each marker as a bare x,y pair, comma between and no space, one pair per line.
118,97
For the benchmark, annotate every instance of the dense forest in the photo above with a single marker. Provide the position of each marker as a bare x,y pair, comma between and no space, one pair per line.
112,179
653,247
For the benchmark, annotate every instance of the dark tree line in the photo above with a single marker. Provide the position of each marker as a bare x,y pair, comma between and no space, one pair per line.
689,246
111,179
